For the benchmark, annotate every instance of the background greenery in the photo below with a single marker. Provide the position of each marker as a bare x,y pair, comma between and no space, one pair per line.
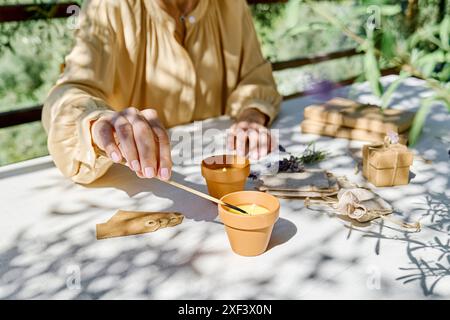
413,33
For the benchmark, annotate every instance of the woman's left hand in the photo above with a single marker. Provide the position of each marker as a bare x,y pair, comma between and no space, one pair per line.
249,135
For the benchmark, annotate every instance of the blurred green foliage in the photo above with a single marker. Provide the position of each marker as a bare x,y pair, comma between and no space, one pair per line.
22,142
30,56
413,33
410,35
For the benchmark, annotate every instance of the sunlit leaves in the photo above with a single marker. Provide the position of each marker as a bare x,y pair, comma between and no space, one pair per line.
428,62
387,96
421,115
419,120
371,66
444,33
388,44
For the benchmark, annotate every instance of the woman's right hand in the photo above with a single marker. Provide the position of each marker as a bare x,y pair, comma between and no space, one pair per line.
139,138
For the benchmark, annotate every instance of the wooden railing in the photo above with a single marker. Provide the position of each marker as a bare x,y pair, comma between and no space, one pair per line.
25,12
18,12
14,13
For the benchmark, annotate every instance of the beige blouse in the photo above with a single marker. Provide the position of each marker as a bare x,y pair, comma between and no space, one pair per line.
126,55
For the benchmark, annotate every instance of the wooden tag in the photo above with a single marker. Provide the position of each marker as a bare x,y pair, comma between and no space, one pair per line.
125,223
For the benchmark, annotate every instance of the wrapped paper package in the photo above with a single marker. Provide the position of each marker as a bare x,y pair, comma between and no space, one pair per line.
344,118
387,164
351,114
337,131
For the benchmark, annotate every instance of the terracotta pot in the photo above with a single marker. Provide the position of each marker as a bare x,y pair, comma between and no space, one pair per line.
222,182
249,235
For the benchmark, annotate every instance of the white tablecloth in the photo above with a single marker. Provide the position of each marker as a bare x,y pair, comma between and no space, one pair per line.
48,247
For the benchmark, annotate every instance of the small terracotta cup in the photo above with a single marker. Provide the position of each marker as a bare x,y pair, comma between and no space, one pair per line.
249,235
222,182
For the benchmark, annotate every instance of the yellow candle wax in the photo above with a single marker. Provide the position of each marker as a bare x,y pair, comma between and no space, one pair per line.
252,209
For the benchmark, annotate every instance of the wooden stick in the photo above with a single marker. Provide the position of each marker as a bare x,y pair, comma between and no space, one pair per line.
198,193
193,191
203,195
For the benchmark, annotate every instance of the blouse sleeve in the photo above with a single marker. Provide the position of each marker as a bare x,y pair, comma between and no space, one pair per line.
256,87
80,97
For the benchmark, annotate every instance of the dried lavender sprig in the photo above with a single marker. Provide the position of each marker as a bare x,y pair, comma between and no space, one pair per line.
293,164
296,164
311,155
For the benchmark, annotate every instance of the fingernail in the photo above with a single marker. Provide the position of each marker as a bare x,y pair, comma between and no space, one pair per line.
149,172
164,173
115,157
135,165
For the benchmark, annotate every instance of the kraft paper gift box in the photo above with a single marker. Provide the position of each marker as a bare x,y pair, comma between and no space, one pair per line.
351,114
386,165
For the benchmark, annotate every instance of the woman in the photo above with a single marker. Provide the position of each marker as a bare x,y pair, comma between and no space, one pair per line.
139,66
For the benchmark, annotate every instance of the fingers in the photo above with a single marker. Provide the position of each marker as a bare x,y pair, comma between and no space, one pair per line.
140,138
241,142
103,136
125,135
231,138
145,144
253,139
264,142
273,142
163,144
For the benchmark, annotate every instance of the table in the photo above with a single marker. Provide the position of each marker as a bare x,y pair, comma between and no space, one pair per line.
48,247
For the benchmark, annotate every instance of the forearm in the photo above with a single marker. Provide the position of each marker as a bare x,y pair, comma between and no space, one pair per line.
256,87
67,116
